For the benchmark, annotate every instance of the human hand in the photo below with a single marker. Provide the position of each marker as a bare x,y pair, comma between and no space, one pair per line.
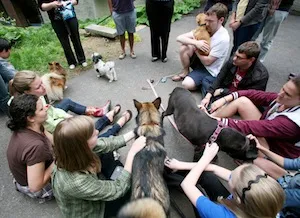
173,163
258,145
235,25
202,45
205,102
210,151
138,145
57,4
217,92
217,104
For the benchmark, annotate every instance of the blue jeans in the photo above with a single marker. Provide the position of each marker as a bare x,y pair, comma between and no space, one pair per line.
4,97
202,78
102,122
68,105
243,34
5,77
269,28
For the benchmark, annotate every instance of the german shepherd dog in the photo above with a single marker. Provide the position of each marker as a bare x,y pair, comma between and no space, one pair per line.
148,164
197,127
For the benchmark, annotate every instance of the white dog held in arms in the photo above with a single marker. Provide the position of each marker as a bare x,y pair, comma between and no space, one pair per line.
104,69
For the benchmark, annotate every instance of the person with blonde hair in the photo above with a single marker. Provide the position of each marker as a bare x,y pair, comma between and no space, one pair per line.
29,82
78,190
253,192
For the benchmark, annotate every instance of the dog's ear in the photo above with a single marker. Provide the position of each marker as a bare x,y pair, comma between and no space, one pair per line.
137,104
252,152
157,102
57,64
49,63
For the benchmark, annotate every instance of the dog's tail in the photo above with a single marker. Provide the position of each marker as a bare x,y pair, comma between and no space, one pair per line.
142,208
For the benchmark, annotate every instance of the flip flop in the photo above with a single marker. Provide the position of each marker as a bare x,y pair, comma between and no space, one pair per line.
125,116
118,111
178,78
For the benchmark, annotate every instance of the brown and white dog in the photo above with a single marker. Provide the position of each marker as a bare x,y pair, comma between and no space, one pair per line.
201,32
55,81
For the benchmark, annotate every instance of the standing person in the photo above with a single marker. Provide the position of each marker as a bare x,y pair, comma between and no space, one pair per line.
159,14
7,72
246,18
253,192
29,151
77,189
241,72
205,68
124,15
278,12
279,124
65,29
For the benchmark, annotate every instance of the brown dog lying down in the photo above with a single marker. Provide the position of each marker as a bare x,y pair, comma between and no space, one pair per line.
200,32
55,81
198,127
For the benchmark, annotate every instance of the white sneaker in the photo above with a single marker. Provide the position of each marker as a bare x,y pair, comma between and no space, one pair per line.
84,64
72,67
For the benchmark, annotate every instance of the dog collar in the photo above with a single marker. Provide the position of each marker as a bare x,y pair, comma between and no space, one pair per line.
203,24
216,133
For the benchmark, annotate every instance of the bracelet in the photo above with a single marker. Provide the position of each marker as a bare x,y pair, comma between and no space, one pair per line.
226,102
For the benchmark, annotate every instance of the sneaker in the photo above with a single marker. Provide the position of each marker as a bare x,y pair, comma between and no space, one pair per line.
84,64
154,59
72,67
122,56
164,60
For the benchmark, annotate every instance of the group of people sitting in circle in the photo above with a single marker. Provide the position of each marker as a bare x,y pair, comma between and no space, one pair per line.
54,154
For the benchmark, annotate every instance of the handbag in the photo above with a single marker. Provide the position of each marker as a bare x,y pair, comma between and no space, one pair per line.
67,12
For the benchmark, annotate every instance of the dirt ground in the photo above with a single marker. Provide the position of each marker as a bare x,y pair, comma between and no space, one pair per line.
108,48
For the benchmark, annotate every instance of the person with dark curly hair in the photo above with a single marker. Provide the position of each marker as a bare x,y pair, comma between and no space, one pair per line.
29,152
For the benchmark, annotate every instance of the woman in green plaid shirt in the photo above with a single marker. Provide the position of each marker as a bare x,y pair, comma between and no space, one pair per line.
78,190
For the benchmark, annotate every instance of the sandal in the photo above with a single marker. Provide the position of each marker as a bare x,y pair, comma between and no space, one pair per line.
178,77
133,55
115,111
127,119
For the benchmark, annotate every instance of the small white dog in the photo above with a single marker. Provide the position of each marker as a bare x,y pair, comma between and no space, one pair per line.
104,69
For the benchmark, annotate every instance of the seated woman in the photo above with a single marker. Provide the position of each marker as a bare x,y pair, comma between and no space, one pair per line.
279,124
29,152
77,189
30,83
289,181
253,192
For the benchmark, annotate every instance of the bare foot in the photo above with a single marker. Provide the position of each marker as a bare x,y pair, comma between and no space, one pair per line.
126,116
111,114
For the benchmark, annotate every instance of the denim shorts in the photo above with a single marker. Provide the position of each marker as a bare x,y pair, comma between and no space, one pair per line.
125,21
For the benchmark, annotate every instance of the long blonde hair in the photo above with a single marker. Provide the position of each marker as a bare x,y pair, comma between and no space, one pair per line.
71,149
256,194
21,82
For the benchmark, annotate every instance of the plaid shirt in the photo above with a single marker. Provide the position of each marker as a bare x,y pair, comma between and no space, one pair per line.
82,194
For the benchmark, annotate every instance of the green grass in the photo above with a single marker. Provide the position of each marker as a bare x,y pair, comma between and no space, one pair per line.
34,47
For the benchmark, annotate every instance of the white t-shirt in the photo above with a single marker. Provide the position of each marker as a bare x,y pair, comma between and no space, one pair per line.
219,45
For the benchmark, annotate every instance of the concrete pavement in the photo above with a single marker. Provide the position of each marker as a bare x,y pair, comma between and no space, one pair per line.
87,89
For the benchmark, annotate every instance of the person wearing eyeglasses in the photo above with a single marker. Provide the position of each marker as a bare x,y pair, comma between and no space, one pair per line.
241,72
253,193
